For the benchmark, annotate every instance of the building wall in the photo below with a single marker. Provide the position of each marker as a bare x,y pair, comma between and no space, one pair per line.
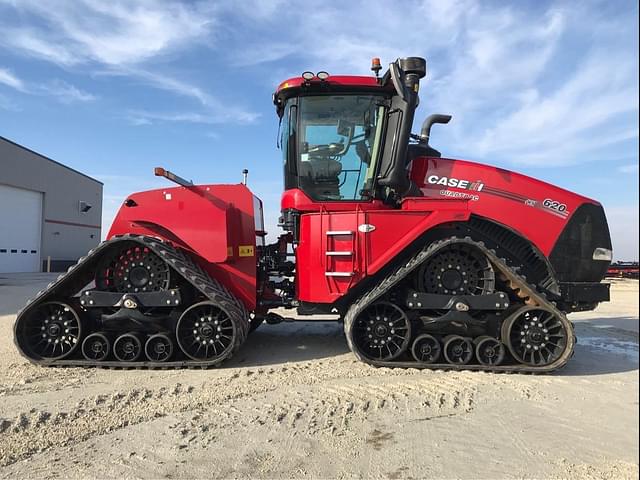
67,233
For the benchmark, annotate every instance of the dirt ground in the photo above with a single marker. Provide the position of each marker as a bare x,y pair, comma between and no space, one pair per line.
294,403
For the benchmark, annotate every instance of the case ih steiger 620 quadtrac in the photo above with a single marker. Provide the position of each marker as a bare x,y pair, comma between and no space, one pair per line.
430,262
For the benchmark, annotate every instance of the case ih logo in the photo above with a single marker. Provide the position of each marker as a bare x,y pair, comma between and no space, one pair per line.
455,182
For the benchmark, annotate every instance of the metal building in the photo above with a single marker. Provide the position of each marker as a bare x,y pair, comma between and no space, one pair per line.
50,214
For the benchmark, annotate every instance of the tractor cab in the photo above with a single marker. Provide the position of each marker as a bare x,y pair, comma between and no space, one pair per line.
345,138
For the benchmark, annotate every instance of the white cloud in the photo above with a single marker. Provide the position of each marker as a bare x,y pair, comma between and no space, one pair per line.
8,78
144,117
631,168
574,119
120,38
61,90
65,92
623,226
112,33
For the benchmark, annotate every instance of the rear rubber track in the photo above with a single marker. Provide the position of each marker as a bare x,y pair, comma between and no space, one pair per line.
82,273
517,283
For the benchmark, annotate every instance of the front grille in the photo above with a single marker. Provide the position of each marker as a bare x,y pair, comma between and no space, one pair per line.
572,255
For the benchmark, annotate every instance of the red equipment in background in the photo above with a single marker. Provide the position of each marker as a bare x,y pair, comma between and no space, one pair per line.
429,262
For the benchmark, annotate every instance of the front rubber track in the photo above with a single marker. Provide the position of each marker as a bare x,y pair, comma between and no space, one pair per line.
83,272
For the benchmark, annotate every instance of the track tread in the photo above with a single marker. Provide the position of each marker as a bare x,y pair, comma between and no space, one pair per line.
518,283
180,262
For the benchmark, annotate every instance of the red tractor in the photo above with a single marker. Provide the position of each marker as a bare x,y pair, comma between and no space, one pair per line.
430,262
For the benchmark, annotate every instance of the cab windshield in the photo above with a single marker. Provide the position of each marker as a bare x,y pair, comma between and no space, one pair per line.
331,145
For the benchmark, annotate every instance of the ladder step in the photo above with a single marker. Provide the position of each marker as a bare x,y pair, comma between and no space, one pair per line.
339,232
338,274
339,254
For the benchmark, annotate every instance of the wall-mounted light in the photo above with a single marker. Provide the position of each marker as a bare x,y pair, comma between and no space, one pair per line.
84,206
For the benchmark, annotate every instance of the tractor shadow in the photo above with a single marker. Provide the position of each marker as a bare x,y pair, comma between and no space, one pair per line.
292,342
604,349
600,350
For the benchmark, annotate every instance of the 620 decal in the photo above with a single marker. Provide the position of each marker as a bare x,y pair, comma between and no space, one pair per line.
554,205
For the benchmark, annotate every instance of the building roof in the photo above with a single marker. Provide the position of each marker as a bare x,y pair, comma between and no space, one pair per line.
48,159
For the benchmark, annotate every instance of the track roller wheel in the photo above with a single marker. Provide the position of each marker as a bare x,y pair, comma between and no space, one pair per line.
205,332
489,351
96,347
382,332
50,332
536,335
159,347
458,350
426,349
127,347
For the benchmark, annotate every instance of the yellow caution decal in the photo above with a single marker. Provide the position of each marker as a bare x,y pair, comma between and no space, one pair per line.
245,251
229,251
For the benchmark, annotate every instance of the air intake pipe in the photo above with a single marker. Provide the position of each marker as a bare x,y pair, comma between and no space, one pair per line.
405,75
425,131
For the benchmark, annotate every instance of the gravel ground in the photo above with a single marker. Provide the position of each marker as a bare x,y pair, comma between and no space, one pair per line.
295,403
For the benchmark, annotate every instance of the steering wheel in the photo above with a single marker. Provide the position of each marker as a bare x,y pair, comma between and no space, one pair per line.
330,149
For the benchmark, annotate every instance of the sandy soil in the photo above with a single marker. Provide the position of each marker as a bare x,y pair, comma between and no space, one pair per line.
295,403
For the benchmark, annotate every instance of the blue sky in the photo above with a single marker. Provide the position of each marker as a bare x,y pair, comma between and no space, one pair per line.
115,88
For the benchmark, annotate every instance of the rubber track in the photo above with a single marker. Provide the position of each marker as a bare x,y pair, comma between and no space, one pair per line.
80,274
517,282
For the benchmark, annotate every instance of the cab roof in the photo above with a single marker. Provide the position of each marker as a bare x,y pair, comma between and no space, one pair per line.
331,80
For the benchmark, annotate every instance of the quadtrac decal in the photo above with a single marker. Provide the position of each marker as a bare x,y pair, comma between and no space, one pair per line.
457,183
473,188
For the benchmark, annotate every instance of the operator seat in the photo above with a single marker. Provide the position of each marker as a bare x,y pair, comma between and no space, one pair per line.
319,178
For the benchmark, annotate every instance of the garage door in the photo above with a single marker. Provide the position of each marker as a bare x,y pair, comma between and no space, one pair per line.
20,224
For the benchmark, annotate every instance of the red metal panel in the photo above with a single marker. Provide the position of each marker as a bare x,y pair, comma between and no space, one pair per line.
212,222
396,229
537,210
329,257
298,200
393,231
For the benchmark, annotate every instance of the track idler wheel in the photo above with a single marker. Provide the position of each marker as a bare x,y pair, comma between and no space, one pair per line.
426,349
489,351
536,336
127,347
458,350
381,332
50,332
206,332
159,348
96,347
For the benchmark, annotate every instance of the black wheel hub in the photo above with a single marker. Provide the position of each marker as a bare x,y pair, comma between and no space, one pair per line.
133,269
457,270
426,348
382,331
205,331
159,347
95,347
458,350
51,331
127,347
452,280
489,351
139,276
535,336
